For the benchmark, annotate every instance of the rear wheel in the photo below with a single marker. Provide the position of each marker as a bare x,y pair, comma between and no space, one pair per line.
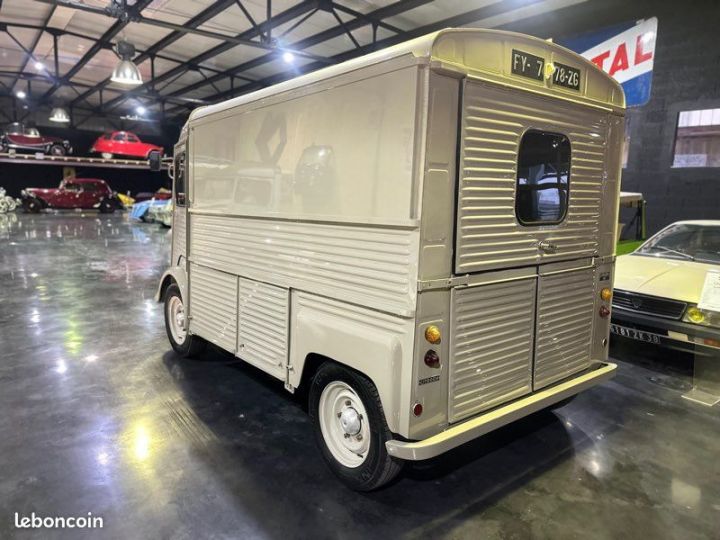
57,150
182,341
350,428
107,206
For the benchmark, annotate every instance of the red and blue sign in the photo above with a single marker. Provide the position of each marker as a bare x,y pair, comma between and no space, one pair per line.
625,52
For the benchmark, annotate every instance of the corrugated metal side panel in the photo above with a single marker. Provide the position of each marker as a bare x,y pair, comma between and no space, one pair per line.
491,346
564,327
213,312
178,234
488,233
375,267
263,325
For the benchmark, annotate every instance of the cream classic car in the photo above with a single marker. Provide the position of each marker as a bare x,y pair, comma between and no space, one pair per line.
666,291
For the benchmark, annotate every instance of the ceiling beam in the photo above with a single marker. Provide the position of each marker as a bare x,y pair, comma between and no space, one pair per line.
457,20
298,10
34,44
212,11
382,13
109,34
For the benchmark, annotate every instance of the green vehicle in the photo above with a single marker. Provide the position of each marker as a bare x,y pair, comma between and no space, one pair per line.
639,234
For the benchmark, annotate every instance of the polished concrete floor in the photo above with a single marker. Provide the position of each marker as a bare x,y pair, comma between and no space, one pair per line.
98,415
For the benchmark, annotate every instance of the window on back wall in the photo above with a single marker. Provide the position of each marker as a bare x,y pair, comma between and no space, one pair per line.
697,139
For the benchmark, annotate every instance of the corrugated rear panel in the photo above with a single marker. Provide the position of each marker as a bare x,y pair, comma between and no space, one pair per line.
371,266
263,325
488,233
213,297
491,346
564,326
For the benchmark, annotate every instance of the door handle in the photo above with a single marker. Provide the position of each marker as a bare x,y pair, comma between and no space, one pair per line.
547,246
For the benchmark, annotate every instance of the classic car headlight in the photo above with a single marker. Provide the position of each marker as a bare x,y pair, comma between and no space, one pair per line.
695,315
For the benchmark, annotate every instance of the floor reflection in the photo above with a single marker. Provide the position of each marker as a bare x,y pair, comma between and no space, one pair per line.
99,416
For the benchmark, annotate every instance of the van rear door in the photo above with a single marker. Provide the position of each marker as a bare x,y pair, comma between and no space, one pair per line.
531,183
502,133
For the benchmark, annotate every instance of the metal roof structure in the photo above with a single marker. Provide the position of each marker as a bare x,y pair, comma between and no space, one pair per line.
197,52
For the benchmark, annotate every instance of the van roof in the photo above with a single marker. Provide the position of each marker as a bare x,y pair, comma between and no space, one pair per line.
481,52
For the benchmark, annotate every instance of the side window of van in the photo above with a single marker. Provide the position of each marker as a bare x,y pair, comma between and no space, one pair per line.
543,178
180,179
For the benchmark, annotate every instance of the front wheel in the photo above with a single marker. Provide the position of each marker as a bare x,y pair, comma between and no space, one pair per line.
350,428
182,342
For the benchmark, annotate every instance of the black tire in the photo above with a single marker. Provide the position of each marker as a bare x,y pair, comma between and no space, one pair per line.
107,206
56,150
31,206
192,345
379,467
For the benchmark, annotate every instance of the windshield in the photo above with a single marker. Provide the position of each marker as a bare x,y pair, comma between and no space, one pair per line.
685,241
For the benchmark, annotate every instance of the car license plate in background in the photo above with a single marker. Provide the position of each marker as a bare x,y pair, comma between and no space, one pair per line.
631,333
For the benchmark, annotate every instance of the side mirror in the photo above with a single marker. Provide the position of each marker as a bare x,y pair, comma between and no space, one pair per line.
155,160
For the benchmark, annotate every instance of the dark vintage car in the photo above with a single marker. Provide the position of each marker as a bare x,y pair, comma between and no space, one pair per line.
72,193
19,137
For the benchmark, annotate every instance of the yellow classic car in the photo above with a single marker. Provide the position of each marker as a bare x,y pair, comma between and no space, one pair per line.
667,292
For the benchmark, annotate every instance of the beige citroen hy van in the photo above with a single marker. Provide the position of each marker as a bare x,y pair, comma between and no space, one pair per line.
421,238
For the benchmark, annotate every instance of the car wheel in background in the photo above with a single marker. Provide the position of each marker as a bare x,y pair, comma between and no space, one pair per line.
31,206
107,206
56,150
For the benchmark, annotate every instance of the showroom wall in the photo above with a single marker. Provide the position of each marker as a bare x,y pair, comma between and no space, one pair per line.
686,77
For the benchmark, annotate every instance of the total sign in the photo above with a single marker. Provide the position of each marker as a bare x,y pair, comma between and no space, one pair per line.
625,52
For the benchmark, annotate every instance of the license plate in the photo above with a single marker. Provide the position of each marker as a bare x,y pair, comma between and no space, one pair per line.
527,65
566,76
631,333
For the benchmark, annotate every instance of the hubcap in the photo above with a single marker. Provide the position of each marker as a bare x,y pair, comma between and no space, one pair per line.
344,424
176,320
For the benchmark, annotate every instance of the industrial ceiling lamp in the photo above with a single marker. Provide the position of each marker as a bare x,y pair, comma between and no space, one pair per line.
126,72
59,115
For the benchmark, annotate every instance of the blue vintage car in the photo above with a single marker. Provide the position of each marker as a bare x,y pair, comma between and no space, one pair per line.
140,211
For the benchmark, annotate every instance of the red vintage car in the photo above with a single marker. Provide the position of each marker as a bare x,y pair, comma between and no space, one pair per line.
19,137
72,193
123,143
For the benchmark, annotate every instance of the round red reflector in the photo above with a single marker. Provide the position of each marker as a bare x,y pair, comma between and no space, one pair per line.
604,311
432,359
417,409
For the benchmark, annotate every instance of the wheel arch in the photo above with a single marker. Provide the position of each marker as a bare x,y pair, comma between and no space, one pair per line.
172,275
379,354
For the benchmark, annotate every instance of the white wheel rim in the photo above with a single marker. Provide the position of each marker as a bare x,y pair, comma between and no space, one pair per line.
344,424
176,319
